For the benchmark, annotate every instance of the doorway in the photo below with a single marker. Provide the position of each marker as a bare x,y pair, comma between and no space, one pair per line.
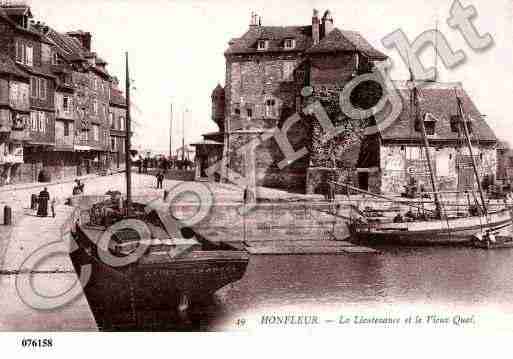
363,180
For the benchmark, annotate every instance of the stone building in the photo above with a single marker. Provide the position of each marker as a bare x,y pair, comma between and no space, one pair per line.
117,117
504,162
390,158
14,113
266,70
68,88
31,53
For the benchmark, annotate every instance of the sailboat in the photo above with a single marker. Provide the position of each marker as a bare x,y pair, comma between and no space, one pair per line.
153,266
434,227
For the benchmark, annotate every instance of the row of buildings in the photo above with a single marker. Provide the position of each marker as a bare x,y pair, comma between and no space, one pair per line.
61,112
266,70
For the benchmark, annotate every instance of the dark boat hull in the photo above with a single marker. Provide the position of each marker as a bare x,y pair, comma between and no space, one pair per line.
118,296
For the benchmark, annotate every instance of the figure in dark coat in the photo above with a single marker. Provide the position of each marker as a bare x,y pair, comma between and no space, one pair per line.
160,179
44,197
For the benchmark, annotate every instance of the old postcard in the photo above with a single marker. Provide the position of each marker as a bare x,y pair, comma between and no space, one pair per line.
222,166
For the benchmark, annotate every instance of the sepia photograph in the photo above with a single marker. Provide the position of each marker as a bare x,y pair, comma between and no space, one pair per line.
251,167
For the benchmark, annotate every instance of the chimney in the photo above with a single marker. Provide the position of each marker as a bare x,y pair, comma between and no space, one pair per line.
327,23
316,27
83,37
254,20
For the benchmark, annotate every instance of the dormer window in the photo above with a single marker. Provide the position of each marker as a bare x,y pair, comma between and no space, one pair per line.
430,128
262,45
429,125
289,44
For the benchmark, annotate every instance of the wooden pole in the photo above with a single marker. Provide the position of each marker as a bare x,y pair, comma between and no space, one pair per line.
128,159
428,155
183,136
171,133
469,144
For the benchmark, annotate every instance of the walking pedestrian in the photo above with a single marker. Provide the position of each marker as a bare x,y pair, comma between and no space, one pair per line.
52,206
44,197
160,180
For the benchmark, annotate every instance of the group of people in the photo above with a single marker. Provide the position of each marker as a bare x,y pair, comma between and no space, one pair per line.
164,164
78,189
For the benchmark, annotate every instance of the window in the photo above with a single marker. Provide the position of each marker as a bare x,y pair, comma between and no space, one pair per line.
42,89
29,55
113,143
249,113
270,107
20,52
290,44
288,71
29,58
84,135
237,111
66,104
111,121
122,123
105,111
430,127
41,122
262,44
95,107
33,121
55,59
96,133
66,129
24,53
33,87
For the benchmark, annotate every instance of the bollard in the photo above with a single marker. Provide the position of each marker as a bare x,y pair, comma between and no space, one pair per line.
166,194
7,216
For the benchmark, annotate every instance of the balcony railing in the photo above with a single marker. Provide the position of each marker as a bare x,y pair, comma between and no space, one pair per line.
11,158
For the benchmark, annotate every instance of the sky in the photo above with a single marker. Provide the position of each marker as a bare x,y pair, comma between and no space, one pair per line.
176,50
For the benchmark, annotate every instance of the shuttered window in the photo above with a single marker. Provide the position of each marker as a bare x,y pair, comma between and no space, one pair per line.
42,122
20,52
42,89
33,87
33,121
29,56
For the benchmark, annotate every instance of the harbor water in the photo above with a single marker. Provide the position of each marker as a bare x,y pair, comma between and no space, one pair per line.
438,277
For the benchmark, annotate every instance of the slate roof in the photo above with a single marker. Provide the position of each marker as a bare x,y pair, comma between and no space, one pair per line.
337,40
117,97
7,66
72,50
343,40
275,34
68,47
17,10
438,99
219,90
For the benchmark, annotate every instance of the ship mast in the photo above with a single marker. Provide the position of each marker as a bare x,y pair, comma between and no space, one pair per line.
425,141
469,144
128,160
